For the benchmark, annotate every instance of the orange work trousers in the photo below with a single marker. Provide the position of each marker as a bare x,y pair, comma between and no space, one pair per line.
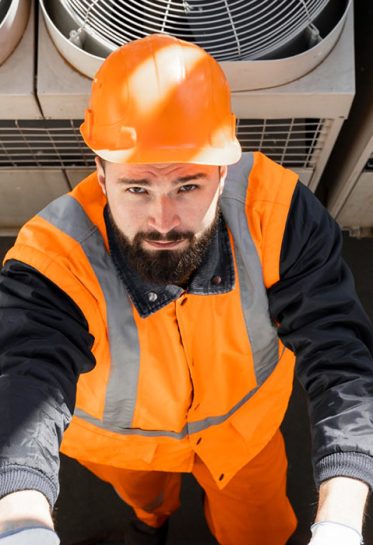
252,509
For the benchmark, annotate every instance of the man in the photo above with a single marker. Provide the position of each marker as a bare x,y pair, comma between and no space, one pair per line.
161,303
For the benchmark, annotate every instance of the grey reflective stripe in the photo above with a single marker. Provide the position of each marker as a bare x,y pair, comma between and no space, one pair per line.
188,429
254,301
67,215
122,430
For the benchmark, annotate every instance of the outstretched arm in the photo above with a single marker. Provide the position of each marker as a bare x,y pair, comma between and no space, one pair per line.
45,345
320,318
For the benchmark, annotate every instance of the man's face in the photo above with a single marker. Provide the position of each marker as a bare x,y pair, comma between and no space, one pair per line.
164,214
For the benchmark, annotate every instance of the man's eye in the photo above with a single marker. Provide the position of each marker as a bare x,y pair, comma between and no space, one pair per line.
188,187
136,190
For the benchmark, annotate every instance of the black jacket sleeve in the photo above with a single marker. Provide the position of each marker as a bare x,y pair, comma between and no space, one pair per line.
321,319
44,346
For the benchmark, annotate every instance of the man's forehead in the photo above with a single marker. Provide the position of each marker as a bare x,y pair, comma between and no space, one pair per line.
155,170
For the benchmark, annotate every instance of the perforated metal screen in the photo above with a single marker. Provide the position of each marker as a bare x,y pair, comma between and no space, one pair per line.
43,144
58,143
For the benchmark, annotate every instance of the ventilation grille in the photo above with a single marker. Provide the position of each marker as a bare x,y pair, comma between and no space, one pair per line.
227,29
58,143
290,142
43,144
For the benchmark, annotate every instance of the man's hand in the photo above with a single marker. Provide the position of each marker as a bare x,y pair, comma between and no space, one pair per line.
25,508
25,519
340,512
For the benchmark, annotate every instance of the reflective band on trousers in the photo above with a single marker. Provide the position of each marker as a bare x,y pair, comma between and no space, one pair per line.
68,216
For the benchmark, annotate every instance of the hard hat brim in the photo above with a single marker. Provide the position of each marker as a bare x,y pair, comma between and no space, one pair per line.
228,155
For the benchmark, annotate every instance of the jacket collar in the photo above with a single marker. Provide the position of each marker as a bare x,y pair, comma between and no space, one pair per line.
214,276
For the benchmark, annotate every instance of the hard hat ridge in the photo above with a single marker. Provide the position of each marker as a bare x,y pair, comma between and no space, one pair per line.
161,100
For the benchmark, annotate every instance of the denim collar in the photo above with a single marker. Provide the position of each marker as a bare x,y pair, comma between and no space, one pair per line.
214,276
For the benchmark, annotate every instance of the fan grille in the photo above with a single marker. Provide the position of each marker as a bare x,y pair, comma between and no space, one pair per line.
228,29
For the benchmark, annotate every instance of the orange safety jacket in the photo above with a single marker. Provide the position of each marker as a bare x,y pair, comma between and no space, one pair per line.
204,374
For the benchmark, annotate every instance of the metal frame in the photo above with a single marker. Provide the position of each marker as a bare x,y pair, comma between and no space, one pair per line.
347,182
351,200
24,193
17,93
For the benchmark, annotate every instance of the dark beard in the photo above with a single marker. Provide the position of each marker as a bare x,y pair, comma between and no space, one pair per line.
165,266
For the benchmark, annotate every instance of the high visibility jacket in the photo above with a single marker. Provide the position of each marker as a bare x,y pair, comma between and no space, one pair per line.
203,374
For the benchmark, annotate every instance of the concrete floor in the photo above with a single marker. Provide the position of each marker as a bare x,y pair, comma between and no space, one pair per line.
88,510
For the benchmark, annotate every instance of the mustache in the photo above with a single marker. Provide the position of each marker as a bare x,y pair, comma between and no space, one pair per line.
171,236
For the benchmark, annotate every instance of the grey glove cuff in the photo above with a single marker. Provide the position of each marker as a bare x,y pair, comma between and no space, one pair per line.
30,536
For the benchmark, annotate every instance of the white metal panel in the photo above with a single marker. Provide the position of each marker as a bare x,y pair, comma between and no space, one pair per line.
62,91
13,26
360,150
357,211
26,192
77,175
17,99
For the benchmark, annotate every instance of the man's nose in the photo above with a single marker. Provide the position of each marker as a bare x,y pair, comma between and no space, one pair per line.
163,215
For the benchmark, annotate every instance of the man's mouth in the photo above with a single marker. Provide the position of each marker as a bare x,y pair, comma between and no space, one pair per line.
164,244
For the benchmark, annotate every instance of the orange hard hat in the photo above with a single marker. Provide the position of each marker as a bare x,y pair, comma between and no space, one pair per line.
161,100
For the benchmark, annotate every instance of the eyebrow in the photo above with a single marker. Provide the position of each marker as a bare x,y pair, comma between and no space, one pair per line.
145,182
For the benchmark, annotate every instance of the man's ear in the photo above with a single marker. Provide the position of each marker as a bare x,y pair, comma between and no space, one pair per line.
100,173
